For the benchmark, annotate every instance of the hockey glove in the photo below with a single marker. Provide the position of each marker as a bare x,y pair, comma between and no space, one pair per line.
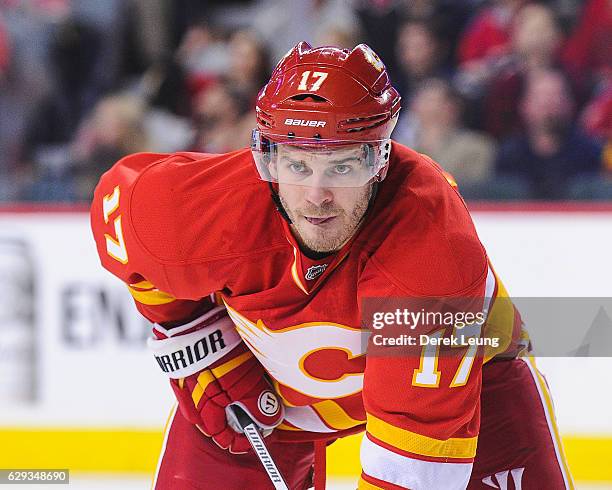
211,369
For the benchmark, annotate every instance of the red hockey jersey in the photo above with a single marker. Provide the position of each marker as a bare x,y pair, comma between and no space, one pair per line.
178,228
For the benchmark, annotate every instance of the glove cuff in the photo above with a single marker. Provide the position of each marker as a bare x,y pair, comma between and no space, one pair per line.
180,356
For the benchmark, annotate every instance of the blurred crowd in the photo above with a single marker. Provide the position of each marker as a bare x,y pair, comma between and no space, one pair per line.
512,97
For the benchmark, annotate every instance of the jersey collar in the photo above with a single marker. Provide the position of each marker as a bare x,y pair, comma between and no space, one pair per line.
308,274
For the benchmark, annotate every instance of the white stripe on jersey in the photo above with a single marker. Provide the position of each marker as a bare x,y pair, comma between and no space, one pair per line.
489,289
415,474
306,418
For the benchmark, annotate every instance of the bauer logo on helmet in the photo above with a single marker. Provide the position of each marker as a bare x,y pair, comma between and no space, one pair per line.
305,122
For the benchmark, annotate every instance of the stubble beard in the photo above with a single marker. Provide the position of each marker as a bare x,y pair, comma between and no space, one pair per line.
327,240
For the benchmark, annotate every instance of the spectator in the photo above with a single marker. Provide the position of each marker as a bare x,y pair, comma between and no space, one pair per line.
535,42
4,49
466,154
419,57
24,79
181,15
114,129
484,44
113,23
596,120
588,53
550,150
488,35
380,22
249,64
203,55
338,36
58,57
166,86
447,17
283,23
223,119
148,35
74,92
167,121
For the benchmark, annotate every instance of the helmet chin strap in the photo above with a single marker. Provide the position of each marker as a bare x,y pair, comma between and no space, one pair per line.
278,204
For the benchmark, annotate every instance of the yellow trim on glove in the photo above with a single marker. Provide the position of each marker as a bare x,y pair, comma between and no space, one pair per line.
209,375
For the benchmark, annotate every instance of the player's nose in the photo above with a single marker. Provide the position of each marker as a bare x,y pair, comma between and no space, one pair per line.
318,195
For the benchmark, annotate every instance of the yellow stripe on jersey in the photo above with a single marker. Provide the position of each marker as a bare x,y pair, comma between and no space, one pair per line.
500,322
143,285
364,485
450,179
284,426
208,376
294,273
335,416
550,416
146,293
418,444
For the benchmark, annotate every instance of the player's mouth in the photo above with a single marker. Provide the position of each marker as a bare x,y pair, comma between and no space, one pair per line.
320,220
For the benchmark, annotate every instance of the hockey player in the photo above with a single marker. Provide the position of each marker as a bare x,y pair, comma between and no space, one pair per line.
263,303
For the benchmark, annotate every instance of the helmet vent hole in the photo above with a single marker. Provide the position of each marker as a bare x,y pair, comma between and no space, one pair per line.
313,97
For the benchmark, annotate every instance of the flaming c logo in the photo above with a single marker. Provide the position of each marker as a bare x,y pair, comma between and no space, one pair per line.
285,354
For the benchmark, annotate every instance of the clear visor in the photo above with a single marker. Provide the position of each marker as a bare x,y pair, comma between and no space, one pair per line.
318,163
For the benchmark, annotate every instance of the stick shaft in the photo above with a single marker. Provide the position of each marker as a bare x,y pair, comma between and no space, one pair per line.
256,440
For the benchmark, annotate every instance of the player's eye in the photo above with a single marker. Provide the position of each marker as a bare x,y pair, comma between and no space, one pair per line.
298,168
342,169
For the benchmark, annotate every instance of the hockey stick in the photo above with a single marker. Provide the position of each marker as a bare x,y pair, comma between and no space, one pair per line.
251,431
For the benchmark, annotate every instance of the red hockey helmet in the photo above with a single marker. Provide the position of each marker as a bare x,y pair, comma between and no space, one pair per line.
325,97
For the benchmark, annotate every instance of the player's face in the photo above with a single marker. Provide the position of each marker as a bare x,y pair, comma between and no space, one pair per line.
324,217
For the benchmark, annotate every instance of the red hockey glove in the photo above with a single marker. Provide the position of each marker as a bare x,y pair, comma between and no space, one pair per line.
210,369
